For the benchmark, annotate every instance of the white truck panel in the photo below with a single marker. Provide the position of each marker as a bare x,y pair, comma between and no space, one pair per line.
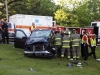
42,20
27,20
19,19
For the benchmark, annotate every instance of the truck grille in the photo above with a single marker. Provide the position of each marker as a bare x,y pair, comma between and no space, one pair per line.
38,47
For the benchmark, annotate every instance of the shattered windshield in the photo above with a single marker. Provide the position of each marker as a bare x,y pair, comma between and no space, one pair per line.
40,33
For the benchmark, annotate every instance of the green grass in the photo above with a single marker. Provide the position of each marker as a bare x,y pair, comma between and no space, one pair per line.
14,63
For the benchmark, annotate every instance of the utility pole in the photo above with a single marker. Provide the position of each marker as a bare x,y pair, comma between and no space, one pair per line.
6,2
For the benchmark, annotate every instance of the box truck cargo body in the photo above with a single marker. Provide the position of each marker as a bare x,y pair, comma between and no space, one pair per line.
24,22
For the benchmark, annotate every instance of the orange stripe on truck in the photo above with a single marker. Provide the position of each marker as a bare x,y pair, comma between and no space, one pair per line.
37,27
43,27
22,26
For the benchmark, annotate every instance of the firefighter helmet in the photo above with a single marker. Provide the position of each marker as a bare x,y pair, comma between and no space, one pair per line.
74,31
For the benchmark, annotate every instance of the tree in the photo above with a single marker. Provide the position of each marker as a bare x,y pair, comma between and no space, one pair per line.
94,7
65,15
87,12
33,7
60,16
2,7
83,15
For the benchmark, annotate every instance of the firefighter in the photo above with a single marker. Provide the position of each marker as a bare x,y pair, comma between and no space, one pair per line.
32,27
66,30
85,45
75,43
93,45
58,43
65,46
4,29
82,46
82,54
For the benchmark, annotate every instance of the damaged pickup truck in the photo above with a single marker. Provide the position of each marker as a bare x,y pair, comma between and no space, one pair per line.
39,43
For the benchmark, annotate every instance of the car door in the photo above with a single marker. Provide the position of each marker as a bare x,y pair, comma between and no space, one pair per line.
52,38
19,38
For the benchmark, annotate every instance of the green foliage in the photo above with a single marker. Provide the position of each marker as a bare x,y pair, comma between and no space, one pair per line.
81,13
94,7
84,16
60,16
35,7
46,8
11,4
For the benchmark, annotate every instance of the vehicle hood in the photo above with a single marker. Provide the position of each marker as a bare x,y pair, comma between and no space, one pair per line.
32,40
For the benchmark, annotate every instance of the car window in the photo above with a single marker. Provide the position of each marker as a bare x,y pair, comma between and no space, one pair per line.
20,34
40,33
27,32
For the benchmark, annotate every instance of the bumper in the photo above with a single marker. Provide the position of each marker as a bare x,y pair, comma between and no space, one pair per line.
11,34
38,53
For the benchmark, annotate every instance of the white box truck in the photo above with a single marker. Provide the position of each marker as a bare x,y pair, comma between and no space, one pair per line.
22,21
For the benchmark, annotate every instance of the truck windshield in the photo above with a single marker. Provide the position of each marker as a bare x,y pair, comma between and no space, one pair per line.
94,24
9,25
40,33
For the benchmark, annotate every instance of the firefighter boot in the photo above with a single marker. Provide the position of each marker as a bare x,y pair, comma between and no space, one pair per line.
62,56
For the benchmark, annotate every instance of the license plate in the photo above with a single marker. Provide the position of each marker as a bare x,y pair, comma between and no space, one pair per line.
38,54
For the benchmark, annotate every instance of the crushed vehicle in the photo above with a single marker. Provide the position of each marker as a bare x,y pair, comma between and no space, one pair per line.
39,43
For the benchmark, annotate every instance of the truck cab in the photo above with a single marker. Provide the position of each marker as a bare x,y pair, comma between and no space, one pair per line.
11,29
96,26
